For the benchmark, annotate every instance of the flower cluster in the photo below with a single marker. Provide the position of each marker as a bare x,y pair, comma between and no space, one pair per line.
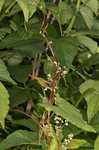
67,141
60,122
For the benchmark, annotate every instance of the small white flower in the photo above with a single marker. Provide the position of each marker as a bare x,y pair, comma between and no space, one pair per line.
57,122
62,121
65,140
41,7
50,42
68,141
63,146
59,68
70,136
65,72
49,134
56,118
49,75
45,89
57,127
66,124
55,62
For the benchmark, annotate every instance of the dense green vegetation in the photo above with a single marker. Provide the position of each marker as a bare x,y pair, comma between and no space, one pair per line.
49,74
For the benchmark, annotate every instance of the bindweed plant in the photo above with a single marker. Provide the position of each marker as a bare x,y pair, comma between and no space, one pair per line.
49,75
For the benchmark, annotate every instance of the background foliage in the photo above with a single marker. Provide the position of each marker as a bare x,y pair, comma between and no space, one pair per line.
49,74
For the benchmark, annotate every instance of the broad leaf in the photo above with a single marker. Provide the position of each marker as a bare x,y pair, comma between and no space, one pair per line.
85,148
19,95
4,104
94,60
20,72
4,74
93,106
49,68
24,7
95,122
96,146
1,4
62,13
70,113
65,12
28,7
92,4
28,123
29,48
75,143
87,14
18,137
89,43
91,98
65,50
24,43
90,84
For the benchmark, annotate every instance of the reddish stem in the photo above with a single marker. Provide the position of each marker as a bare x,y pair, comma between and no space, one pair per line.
26,114
53,88
37,70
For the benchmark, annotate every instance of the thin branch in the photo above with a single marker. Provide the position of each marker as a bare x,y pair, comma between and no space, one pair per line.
26,114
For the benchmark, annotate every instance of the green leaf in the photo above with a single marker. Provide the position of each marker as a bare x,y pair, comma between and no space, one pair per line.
19,95
85,148
62,13
28,7
49,67
70,113
91,98
75,143
29,48
96,146
89,43
92,4
65,50
65,12
87,14
20,72
14,59
94,60
90,84
28,123
4,103
54,141
95,122
24,43
93,106
4,74
18,137
1,4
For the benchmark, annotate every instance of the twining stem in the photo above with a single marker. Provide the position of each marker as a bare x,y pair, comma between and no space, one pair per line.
69,28
26,114
7,10
53,88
